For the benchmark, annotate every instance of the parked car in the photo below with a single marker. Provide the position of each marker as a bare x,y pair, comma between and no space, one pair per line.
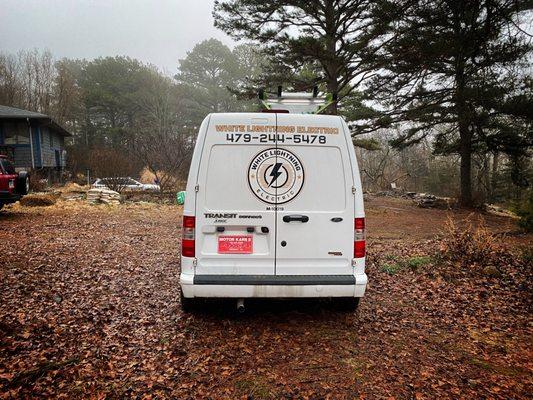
127,184
274,208
13,185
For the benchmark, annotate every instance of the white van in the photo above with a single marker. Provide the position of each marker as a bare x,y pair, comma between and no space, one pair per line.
274,209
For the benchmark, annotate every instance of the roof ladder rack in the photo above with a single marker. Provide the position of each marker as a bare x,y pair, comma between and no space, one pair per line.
296,102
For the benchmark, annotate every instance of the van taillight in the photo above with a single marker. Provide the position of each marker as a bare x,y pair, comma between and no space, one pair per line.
359,238
187,237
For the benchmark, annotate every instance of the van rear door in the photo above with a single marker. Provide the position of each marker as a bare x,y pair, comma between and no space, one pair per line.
234,230
315,218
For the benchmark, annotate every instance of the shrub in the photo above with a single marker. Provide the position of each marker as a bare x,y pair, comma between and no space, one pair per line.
472,244
37,184
524,210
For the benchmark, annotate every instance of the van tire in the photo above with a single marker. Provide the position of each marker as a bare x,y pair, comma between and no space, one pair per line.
347,304
188,305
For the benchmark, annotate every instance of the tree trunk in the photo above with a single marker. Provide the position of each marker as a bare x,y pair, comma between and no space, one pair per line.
465,134
486,177
465,144
333,88
494,176
331,66
465,151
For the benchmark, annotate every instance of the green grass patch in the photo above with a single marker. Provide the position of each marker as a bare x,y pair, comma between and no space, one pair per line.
356,366
417,262
497,369
394,265
255,388
390,269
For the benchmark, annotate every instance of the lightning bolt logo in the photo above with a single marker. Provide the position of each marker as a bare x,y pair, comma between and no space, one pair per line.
275,173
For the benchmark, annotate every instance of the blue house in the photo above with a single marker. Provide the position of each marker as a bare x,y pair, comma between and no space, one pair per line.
33,141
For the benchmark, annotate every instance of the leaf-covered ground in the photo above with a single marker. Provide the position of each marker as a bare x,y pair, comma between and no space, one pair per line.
89,309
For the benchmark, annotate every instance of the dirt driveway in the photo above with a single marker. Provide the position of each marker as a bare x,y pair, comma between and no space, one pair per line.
89,309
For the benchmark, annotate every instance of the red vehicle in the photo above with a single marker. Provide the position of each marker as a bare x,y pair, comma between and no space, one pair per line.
13,185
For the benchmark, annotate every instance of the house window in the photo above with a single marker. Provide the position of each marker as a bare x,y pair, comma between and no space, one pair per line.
16,133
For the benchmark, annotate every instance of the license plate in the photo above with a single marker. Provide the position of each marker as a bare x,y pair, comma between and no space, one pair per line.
235,244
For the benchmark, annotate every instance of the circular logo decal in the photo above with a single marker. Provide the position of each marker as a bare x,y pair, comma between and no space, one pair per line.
276,176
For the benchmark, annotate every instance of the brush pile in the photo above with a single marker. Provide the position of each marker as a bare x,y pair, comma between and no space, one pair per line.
38,200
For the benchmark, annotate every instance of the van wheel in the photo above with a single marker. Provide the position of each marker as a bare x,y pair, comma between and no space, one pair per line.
188,305
347,303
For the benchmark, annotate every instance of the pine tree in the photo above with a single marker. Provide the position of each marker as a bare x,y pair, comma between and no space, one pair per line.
331,42
455,69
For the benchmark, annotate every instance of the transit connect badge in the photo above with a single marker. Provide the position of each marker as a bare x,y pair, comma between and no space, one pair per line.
276,176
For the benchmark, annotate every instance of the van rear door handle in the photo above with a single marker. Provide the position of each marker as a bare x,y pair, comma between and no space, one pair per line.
290,218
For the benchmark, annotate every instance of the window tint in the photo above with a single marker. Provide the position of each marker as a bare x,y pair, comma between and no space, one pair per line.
7,167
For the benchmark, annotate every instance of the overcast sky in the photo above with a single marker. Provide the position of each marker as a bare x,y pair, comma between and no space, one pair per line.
155,31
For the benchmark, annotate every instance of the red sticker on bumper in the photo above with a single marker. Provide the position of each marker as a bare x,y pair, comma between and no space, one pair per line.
242,244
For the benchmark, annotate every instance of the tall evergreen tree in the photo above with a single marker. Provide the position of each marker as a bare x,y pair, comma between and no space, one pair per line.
111,87
455,69
336,38
205,74
213,78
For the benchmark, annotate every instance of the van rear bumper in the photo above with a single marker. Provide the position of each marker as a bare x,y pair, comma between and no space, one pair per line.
280,286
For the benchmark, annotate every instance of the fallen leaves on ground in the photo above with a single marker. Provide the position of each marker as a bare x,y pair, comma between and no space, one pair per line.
90,309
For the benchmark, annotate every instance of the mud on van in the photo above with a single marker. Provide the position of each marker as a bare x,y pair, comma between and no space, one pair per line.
274,208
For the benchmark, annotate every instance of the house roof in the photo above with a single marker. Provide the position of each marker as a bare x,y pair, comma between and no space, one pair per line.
17,113
12,112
